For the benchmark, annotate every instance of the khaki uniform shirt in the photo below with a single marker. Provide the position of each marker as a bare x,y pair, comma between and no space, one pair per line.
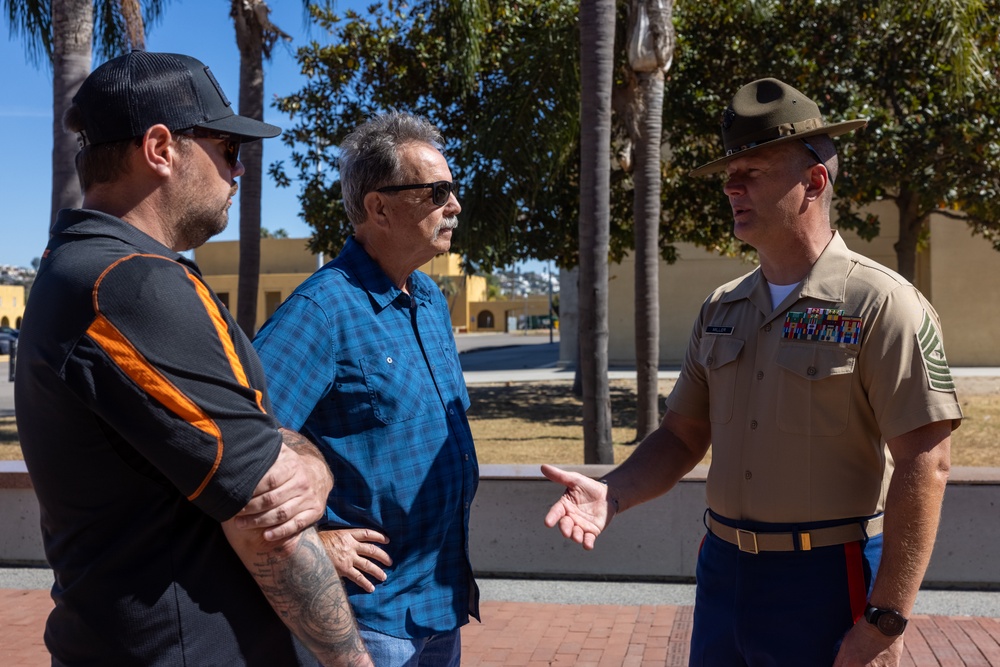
800,414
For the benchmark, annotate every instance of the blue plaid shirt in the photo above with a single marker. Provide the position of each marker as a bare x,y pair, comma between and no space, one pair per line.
372,375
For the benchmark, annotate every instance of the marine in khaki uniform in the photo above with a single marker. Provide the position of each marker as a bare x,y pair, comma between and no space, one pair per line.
821,383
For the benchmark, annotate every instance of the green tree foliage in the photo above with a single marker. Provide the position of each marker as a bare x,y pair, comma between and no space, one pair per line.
512,136
924,72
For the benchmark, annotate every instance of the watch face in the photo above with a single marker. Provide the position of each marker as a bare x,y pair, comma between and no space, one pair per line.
890,623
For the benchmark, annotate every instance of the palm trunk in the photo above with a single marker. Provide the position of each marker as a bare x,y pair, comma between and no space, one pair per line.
249,38
646,202
597,37
72,32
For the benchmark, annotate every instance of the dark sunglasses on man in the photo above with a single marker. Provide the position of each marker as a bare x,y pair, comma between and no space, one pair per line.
440,190
230,142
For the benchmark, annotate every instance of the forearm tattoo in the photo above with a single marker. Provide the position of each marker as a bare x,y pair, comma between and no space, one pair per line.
302,586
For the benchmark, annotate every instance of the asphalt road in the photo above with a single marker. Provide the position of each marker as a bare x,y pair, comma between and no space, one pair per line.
513,355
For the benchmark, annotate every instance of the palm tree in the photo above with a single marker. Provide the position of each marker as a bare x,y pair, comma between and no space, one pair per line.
63,31
255,37
72,32
597,41
650,52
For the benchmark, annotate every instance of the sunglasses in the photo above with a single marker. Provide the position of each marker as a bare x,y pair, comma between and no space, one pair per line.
230,142
440,190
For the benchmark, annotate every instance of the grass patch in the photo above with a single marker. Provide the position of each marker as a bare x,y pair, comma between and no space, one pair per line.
10,450
541,422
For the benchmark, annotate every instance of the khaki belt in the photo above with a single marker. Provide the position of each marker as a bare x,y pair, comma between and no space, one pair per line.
753,542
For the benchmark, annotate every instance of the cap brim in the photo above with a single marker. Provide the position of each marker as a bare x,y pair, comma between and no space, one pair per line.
834,130
245,127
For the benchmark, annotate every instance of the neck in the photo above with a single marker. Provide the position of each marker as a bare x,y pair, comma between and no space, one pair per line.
395,265
792,262
140,209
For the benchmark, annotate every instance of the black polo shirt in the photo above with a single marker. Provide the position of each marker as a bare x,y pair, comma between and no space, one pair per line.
144,422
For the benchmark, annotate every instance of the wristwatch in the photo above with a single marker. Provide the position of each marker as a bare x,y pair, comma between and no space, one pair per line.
888,621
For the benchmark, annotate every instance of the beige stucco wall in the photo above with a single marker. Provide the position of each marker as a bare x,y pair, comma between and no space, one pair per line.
501,309
11,305
966,275
957,273
285,263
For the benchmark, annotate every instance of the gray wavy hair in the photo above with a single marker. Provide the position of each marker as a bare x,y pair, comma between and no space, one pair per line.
369,156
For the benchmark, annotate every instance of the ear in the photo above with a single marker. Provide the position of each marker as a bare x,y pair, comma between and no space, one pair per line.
376,209
159,150
818,181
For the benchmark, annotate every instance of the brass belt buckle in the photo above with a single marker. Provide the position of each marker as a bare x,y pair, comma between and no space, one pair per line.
747,541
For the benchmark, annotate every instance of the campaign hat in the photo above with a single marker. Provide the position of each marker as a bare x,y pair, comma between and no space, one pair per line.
768,112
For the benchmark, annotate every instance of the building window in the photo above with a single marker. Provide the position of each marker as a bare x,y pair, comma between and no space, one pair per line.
484,320
271,302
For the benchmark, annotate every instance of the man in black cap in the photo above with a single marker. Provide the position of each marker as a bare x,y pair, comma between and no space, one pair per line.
820,382
176,515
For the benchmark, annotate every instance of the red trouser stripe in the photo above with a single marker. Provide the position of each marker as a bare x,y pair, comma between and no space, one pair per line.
856,580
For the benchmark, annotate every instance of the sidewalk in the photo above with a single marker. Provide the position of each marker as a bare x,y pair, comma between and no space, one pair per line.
533,634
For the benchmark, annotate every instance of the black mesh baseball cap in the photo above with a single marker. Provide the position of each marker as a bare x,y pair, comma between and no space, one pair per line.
127,95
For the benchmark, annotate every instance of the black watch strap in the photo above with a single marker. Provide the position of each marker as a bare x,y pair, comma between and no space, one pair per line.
888,621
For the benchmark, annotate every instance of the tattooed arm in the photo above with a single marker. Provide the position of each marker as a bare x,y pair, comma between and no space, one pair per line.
278,545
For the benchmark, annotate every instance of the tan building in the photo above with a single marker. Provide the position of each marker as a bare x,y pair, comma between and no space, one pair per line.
957,272
285,263
11,305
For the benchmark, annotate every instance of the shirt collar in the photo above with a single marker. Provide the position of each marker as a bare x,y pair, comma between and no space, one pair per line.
86,222
375,281
826,280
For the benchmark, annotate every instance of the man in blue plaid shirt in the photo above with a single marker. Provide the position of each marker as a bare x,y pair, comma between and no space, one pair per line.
361,359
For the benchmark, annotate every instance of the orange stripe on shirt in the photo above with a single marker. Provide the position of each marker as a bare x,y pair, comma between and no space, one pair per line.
150,380
222,329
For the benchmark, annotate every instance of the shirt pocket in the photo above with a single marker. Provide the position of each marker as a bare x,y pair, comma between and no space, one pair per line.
814,388
720,356
395,386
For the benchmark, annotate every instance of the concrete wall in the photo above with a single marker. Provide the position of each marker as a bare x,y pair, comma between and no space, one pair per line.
657,541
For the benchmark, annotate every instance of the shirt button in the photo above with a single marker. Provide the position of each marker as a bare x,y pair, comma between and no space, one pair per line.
466,505
747,474
767,327
451,411
710,360
811,370
388,360
753,425
465,457
760,375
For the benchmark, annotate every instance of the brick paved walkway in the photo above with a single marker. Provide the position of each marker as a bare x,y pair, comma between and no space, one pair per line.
527,634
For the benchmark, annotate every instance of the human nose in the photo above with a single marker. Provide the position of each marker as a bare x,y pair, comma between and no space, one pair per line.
238,168
732,185
452,207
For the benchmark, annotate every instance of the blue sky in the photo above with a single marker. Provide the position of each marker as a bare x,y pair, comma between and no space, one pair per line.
200,28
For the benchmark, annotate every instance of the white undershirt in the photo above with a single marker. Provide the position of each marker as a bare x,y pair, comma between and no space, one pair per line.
779,292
